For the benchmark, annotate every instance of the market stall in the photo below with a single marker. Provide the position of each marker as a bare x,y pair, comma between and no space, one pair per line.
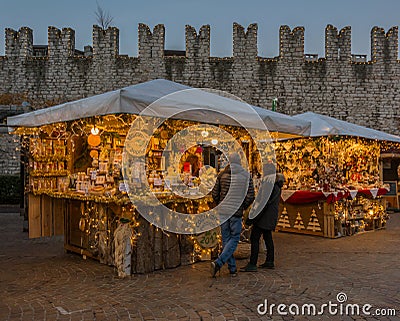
334,184
76,182
390,155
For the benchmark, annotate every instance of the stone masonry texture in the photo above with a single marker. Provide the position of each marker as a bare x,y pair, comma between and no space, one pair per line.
339,84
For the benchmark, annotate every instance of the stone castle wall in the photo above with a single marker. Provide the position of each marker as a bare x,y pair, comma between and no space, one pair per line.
339,84
10,157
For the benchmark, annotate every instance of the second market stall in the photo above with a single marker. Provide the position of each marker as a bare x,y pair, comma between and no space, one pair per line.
334,184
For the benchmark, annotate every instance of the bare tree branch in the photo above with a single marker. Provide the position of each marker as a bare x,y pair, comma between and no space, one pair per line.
103,18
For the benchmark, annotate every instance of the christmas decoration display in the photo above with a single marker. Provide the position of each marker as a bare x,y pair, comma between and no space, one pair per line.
81,163
340,170
329,163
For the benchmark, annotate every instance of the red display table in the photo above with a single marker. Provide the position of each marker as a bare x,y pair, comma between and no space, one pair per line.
303,197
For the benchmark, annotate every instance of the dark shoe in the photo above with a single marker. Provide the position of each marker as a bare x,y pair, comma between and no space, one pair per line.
267,265
249,268
214,269
233,273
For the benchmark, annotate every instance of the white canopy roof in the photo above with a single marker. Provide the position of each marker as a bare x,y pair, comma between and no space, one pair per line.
322,125
196,105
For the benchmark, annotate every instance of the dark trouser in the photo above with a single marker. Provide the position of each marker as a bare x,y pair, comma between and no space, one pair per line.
256,233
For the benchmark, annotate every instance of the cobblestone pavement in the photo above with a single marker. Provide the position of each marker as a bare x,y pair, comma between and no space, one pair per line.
39,281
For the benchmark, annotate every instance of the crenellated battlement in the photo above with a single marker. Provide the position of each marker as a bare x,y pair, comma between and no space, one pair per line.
61,43
338,44
197,45
151,43
384,47
245,43
291,43
105,42
19,44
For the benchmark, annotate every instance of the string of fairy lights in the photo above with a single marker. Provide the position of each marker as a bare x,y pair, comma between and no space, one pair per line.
330,163
51,150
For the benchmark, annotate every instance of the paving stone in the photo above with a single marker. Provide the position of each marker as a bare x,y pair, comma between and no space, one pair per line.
39,281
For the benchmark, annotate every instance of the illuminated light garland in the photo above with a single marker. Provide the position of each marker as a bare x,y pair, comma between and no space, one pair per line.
81,127
359,214
118,124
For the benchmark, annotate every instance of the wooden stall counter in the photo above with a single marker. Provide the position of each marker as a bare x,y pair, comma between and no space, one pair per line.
332,214
90,225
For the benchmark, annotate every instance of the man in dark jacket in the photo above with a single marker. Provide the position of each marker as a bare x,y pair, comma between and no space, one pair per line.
230,192
265,222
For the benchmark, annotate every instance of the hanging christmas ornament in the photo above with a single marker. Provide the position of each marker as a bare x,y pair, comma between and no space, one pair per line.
94,153
94,140
287,145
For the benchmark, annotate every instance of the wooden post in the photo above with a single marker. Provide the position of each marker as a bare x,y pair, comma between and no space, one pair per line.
58,216
35,225
47,215
329,221
158,249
